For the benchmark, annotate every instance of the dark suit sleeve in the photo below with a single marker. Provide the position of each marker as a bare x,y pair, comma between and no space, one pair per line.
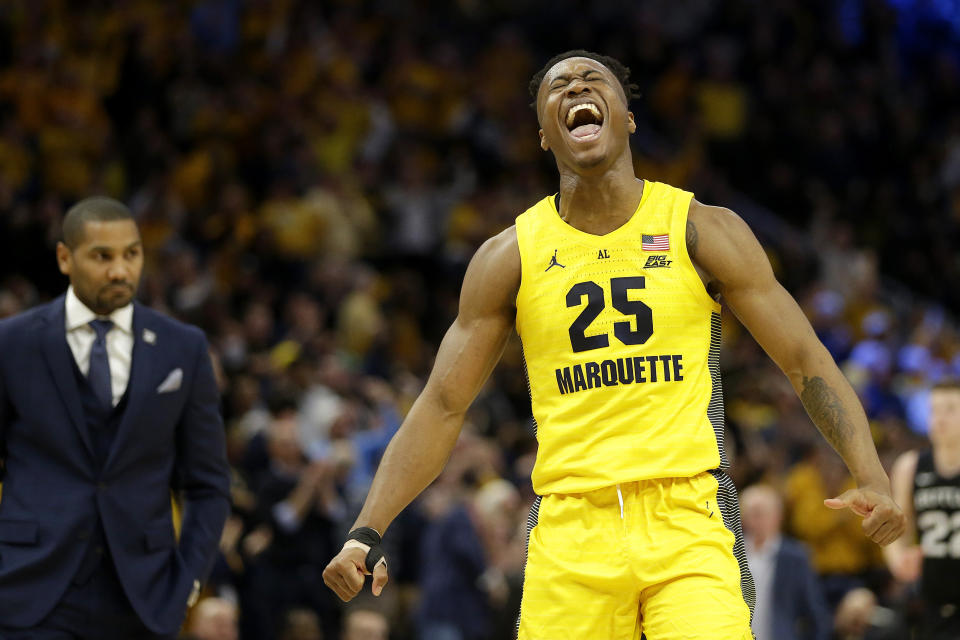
4,414
812,603
201,474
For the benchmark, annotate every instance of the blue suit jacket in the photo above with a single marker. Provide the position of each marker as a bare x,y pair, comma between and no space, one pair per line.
53,490
797,596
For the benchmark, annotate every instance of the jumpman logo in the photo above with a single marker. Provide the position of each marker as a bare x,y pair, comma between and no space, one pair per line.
554,263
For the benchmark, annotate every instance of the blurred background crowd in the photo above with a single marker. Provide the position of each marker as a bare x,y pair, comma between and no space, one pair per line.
311,179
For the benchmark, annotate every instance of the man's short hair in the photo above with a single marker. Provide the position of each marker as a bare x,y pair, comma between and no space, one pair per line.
762,491
620,71
94,209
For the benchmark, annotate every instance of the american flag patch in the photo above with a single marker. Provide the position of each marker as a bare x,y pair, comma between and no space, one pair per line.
656,243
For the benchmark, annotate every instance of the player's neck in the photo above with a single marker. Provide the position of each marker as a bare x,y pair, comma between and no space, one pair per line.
600,203
947,459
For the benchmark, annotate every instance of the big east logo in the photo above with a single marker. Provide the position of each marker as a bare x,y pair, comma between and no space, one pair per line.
657,261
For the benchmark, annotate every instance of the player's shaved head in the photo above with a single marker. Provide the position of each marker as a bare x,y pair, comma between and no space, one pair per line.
947,384
94,209
945,413
620,71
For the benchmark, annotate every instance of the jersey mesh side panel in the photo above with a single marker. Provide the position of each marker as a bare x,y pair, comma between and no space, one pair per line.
730,510
526,376
534,514
532,519
715,407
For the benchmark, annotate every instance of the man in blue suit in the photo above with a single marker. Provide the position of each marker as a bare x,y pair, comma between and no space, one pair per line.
790,604
105,407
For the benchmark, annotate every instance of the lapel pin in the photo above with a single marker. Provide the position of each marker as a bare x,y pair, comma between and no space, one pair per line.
149,336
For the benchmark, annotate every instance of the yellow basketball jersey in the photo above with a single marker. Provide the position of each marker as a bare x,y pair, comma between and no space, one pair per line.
621,342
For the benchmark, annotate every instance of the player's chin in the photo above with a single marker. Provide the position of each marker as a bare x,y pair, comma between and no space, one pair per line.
589,159
588,153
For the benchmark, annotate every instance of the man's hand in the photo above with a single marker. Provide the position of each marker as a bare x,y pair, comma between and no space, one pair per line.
883,520
361,556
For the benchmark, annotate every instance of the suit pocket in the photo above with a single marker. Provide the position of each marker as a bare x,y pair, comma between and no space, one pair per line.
18,532
159,537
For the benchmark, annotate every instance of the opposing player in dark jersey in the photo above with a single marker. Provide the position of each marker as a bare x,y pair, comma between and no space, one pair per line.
927,485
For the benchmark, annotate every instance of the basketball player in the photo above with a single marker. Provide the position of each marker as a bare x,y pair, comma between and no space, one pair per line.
612,285
927,484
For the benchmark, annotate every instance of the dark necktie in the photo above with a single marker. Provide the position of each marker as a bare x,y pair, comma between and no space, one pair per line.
99,374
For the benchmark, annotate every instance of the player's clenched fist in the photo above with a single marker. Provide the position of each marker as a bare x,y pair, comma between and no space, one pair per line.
361,556
883,520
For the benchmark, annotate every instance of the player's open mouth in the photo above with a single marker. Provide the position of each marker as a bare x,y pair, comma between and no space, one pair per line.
584,121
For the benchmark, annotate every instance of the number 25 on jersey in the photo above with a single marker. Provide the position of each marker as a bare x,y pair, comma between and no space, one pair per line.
594,293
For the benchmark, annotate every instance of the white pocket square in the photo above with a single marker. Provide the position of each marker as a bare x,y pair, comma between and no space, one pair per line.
171,382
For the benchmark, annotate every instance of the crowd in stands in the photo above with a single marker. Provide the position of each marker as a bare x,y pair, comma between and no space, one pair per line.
311,179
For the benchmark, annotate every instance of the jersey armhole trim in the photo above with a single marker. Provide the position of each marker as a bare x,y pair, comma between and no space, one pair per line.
691,277
521,224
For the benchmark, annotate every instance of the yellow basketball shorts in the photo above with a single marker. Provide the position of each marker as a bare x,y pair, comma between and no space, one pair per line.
660,557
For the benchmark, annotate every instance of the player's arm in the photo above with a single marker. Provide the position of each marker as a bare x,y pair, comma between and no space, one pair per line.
736,266
417,453
904,558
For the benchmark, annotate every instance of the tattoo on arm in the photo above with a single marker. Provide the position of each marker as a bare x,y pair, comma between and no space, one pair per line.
713,286
827,411
692,238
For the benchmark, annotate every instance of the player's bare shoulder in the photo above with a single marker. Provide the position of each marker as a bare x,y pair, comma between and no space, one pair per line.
904,469
711,229
901,482
493,276
721,244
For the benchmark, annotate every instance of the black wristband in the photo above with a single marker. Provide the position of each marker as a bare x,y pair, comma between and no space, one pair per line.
371,538
366,535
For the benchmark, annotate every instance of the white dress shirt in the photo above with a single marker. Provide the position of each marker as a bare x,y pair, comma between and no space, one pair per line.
80,337
763,566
